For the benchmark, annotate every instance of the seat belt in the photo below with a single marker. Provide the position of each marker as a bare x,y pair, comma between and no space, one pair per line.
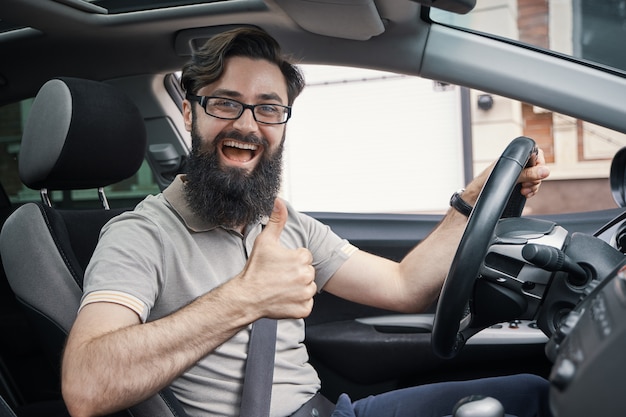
259,374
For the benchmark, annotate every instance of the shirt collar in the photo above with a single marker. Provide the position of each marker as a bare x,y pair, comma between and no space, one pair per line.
174,194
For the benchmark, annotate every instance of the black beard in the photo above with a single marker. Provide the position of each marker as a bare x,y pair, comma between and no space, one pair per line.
229,196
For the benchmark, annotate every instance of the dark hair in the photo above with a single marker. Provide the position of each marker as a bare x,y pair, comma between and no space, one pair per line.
207,63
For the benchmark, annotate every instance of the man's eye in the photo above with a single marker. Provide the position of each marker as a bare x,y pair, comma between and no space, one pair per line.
224,104
268,109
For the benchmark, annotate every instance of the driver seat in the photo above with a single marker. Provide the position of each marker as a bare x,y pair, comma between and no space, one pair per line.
80,134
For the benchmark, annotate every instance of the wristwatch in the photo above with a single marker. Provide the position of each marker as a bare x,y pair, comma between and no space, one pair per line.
459,204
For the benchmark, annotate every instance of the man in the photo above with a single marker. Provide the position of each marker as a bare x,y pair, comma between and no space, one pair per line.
173,286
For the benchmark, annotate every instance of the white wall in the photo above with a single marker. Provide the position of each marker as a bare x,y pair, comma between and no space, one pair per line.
366,141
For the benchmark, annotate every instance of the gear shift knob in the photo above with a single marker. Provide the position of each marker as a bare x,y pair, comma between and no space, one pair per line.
478,406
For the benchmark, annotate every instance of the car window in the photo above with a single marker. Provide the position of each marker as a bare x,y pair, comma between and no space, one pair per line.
368,141
589,30
12,121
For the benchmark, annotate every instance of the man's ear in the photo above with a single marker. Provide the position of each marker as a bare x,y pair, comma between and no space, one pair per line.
187,114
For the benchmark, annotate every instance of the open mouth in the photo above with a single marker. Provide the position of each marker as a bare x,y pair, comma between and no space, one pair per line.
239,151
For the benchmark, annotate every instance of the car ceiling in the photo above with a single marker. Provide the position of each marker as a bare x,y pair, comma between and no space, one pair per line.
62,40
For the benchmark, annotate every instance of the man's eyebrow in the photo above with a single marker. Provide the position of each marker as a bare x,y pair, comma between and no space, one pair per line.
223,92
270,96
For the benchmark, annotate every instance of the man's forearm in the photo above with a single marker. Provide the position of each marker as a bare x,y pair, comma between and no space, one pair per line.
425,268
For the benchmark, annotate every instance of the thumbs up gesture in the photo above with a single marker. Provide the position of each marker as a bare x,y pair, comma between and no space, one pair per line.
279,280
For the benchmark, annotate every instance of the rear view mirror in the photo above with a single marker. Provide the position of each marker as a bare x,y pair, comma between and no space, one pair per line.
454,6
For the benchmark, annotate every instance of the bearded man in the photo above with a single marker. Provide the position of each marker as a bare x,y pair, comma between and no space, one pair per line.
174,286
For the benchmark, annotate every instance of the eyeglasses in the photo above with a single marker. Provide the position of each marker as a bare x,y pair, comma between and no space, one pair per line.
229,109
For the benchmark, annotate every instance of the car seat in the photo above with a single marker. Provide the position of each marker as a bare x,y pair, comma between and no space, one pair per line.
80,134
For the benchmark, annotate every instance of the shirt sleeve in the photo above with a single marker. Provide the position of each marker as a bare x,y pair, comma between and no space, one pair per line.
329,250
126,267
116,297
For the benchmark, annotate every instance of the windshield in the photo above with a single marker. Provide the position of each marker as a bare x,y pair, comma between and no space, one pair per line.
590,30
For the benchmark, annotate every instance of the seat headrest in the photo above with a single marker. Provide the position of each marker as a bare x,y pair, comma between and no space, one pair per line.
80,134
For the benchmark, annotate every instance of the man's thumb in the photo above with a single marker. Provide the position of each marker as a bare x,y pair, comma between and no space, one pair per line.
277,219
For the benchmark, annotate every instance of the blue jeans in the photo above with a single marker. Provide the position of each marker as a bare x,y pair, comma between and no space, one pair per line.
521,395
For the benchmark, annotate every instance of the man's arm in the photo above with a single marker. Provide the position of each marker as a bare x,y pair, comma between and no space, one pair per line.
409,286
414,284
112,361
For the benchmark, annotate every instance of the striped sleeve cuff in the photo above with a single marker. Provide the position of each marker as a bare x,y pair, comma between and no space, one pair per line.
348,250
117,297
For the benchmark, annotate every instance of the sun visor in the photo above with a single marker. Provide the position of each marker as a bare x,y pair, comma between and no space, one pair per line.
347,19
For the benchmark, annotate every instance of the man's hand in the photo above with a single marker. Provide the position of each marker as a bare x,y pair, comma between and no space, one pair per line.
281,280
531,177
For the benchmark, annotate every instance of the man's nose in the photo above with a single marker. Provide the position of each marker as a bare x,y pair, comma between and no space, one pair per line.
246,121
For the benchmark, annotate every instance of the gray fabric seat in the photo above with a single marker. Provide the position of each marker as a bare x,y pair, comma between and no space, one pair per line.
80,134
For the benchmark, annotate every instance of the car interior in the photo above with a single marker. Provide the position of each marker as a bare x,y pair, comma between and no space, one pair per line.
526,293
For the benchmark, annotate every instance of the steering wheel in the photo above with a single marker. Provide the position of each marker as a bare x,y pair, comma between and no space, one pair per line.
451,325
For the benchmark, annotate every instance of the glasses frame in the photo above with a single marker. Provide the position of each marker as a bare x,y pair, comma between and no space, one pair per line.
203,100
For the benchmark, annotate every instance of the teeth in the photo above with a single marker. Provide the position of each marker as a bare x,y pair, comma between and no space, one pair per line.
240,145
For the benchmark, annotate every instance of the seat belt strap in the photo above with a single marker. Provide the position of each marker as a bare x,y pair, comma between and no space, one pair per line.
259,373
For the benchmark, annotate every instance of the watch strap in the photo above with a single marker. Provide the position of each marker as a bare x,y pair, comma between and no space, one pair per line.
460,205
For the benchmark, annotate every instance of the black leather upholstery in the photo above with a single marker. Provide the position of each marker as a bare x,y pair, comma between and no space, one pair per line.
80,134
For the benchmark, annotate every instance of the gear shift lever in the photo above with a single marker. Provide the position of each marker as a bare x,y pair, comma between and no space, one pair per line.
478,406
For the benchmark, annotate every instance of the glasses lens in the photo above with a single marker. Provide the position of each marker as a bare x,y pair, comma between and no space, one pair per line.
223,108
271,113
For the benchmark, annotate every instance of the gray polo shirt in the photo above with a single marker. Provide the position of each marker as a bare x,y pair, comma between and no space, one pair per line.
160,257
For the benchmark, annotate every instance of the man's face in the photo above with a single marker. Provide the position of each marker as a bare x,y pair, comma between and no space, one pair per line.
248,81
234,170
